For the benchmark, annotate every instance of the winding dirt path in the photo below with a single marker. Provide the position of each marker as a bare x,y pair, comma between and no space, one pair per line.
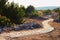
46,28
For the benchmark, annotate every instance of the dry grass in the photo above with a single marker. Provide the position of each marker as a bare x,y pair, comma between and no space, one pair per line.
33,20
54,35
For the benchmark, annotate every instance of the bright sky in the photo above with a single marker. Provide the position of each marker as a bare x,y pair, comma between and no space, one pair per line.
37,3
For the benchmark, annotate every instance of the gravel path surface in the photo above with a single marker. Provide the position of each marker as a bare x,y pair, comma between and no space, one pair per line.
46,28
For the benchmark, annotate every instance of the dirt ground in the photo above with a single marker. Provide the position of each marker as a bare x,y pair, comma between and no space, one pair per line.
54,35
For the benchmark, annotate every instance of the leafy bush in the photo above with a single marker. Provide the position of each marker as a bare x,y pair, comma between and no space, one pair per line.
4,21
14,14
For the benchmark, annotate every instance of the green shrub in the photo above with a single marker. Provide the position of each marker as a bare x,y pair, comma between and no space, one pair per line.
4,21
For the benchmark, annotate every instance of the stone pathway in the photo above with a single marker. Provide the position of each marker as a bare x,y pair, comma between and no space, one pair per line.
46,28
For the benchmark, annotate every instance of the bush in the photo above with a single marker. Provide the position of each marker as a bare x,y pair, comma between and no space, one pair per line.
4,21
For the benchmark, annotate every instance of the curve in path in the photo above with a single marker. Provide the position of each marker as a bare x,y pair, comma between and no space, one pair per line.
47,28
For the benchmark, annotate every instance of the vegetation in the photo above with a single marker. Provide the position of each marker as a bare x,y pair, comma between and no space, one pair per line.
4,21
58,10
47,12
29,11
11,13
58,17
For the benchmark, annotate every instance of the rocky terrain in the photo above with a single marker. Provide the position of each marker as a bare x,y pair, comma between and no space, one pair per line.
53,35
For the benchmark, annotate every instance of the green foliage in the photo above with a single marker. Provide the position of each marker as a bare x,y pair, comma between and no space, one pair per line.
59,13
29,10
2,3
34,14
58,10
13,13
47,12
21,14
4,21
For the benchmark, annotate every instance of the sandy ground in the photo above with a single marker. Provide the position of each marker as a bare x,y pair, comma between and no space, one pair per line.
46,28
28,37
54,35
